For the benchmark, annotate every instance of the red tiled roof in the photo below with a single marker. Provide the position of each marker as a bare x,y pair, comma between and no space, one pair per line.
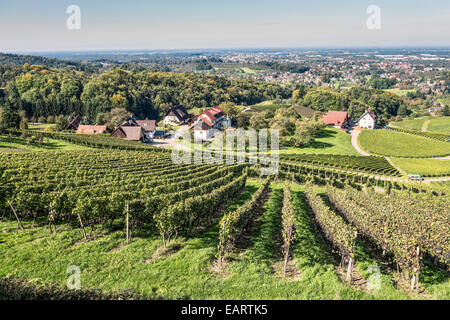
337,118
88,129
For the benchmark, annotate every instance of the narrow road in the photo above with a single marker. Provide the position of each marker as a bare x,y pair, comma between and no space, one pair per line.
355,134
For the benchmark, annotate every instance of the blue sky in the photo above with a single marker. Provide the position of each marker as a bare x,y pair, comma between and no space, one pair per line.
180,24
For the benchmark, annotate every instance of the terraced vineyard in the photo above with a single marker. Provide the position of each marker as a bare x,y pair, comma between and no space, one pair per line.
97,187
135,220
374,165
96,141
440,136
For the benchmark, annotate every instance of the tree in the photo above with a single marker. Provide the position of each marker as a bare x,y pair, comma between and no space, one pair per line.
231,109
10,118
23,124
61,123
443,112
115,117
402,110
259,121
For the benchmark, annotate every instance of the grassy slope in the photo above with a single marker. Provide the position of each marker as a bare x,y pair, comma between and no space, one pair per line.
18,144
330,141
415,124
441,124
398,144
423,166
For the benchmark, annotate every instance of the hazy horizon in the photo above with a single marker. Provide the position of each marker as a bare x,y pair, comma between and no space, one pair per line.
138,25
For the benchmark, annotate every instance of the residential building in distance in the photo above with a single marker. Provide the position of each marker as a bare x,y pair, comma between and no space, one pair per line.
132,133
210,121
337,119
368,120
149,127
90,129
177,116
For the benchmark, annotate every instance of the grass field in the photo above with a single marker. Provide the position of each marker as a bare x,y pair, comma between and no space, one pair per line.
39,126
269,105
415,124
441,124
424,167
330,140
396,144
400,92
186,272
8,144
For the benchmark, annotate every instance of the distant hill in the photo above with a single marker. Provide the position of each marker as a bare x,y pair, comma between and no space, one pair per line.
17,59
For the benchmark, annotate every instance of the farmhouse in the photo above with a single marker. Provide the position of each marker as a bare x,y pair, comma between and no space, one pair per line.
149,127
88,129
73,125
132,133
368,120
209,122
176,116
338,119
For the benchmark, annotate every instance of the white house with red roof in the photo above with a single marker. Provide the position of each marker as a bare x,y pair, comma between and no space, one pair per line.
210,121
368,120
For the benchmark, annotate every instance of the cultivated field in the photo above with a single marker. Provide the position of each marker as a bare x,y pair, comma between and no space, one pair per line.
397,144
212,232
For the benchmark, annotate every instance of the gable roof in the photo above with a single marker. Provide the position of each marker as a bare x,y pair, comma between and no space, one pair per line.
370,113
147,125
73,125
337,118
180,112
129,133
88,129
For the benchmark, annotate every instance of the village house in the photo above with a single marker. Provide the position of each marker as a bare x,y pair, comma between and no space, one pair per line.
90,129
73,125
132,133
368,120
176,116
337,119
210,121
149,127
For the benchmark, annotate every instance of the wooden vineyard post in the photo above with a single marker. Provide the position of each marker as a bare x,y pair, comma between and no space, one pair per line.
82,226
19,223
127,223
349,270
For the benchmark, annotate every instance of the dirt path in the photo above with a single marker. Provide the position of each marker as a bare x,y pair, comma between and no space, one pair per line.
355,134
425,125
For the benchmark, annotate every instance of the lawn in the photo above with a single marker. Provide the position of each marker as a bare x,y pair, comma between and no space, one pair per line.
397,144
441,124
424,167
105,262
330,141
